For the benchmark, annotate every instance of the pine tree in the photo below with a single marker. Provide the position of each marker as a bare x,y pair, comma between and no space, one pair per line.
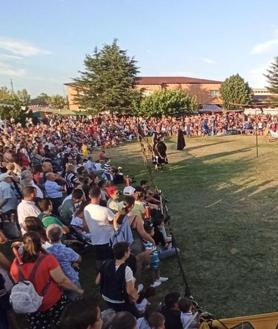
107,82
235,92
272,78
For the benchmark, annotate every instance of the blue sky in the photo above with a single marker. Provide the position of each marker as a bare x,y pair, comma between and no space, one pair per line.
43,43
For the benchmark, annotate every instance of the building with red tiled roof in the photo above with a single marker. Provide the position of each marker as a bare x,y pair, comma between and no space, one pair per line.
173,80
206,91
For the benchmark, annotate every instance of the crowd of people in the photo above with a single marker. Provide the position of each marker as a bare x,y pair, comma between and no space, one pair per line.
57,201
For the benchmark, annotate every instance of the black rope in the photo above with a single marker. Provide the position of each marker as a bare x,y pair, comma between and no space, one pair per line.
164,209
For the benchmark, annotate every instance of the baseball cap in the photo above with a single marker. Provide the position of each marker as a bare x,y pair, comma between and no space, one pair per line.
128,190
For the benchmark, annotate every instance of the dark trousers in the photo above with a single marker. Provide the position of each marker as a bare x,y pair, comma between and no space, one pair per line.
124,307
103,253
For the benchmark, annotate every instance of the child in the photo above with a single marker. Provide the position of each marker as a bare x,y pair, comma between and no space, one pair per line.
155,261
188,319
78,223
142,302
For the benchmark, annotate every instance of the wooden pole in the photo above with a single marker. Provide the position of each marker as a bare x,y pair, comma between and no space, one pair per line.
257,144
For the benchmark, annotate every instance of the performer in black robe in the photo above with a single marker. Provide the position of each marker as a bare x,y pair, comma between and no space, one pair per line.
160,153
180,140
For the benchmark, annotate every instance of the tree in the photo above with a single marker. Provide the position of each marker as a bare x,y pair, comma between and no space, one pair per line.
13,105
5,103
57,102
235,92
24,97
168,102
5,94
107,82
272,78
42,99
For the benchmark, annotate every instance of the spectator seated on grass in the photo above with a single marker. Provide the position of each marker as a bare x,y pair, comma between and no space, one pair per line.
151,320
82,314
142,303
54,191
71,178
69,260
78,223
48,274
46,216
26,179
27,207
124,320
34,224
70,204
8,198
102,184
7,316
118,175
113,202
151,196
171,311
188,319
154,261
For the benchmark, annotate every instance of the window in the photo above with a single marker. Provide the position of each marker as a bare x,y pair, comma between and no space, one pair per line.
214,93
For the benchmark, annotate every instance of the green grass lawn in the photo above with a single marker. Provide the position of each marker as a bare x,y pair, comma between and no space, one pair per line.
223,205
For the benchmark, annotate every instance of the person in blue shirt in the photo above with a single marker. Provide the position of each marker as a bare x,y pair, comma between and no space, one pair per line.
54,191
67,257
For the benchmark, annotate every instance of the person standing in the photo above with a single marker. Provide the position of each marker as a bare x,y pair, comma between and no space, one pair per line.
117,283
99,221
160,153
180,140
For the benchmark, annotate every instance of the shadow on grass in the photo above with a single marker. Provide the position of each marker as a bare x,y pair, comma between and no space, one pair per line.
223,211
224,223
189,149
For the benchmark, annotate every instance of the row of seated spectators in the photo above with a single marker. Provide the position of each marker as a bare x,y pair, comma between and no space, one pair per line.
59,203
62,214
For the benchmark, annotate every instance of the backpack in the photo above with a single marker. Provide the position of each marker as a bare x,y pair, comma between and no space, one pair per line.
24,298
123,234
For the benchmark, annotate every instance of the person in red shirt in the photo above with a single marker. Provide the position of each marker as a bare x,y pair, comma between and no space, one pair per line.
101,155
49,274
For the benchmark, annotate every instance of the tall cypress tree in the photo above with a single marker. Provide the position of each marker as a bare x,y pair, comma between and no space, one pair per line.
272,79
107,82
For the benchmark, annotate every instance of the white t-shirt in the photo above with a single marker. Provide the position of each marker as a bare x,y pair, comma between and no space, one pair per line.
98,220
26,209
188,318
